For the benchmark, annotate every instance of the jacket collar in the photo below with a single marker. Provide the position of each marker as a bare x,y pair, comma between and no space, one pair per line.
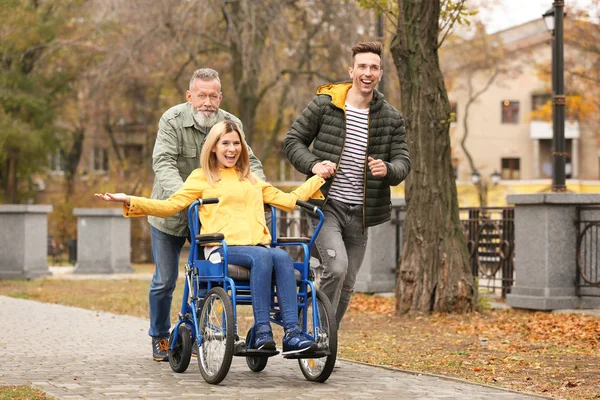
339,91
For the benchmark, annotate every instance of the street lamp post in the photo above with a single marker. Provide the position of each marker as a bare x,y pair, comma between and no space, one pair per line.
483,185
554,22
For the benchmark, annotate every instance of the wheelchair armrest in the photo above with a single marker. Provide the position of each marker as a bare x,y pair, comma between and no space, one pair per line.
209,237
293,239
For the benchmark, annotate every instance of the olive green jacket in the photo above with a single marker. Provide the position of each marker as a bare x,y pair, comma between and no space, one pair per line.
319,133
176,154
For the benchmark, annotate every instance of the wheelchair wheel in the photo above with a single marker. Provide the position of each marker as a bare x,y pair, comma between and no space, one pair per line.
179,357
256,364
216,327
319,369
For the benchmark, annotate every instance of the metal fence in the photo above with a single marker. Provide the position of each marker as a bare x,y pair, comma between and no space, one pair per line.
588,250
490,234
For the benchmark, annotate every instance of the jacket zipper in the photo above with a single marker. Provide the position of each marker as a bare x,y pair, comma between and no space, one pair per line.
364,217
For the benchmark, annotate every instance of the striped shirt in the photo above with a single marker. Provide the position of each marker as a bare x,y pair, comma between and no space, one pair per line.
348,185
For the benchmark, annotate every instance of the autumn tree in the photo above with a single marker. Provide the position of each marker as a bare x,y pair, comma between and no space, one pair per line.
434,272
30,89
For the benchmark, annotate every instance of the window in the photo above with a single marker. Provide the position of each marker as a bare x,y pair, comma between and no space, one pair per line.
100,159
511,168
510,112
57,162
538,100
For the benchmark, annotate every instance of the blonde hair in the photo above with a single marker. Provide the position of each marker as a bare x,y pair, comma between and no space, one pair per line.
208,158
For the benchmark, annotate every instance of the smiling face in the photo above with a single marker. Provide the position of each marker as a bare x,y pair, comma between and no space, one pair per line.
366,72
228,150
205,98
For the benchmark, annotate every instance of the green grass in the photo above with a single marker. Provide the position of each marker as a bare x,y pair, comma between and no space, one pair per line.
22,393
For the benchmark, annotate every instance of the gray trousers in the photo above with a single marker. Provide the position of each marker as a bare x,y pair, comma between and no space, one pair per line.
341,247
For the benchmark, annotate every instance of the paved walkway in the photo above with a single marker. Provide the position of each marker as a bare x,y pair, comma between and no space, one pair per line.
72,353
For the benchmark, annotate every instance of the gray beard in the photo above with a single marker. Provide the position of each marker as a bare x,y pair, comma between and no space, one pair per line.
204,121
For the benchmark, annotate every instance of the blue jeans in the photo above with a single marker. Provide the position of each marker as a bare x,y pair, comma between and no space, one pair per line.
166,250
263,261
341,244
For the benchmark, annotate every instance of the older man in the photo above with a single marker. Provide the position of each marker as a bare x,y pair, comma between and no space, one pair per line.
181,133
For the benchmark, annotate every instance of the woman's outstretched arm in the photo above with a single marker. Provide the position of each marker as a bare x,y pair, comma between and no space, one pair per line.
287,201
134,206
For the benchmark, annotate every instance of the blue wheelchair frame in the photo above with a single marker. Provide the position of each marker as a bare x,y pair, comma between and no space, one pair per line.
202,275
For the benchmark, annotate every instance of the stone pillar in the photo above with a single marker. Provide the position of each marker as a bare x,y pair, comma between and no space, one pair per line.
545,245
378,271
23,241
103,241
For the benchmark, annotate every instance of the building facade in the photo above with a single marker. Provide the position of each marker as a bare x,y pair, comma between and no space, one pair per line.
510,149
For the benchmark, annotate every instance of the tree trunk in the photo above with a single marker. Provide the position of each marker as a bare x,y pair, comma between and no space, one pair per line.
247,31
434,273
12,176
73,156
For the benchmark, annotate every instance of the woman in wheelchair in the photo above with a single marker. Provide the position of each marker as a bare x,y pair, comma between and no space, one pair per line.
239,216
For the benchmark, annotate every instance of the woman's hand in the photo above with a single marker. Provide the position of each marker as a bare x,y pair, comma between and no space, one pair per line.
114,197
325,169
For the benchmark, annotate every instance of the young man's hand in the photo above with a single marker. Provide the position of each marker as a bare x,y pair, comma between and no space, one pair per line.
377,167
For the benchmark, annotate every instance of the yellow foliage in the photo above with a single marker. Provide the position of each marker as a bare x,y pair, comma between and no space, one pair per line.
577,108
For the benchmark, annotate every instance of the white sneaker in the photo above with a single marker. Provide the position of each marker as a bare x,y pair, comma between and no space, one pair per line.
337,364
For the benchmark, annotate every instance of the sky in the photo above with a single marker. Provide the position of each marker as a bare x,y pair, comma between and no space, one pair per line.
508,13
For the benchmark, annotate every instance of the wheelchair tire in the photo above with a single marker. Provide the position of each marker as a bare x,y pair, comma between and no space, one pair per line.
216,327
179,357
319,369
256,364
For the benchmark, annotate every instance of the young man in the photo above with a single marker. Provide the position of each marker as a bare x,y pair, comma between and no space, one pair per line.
358,142
181,133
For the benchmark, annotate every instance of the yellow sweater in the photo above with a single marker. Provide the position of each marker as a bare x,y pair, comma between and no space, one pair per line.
239,215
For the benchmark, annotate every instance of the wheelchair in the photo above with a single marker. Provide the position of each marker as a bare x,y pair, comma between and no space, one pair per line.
212,292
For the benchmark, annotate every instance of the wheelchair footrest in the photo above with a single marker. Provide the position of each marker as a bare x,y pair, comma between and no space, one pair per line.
240,350
307,354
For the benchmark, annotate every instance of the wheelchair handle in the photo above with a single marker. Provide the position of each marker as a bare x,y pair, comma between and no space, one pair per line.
307,206
208,201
